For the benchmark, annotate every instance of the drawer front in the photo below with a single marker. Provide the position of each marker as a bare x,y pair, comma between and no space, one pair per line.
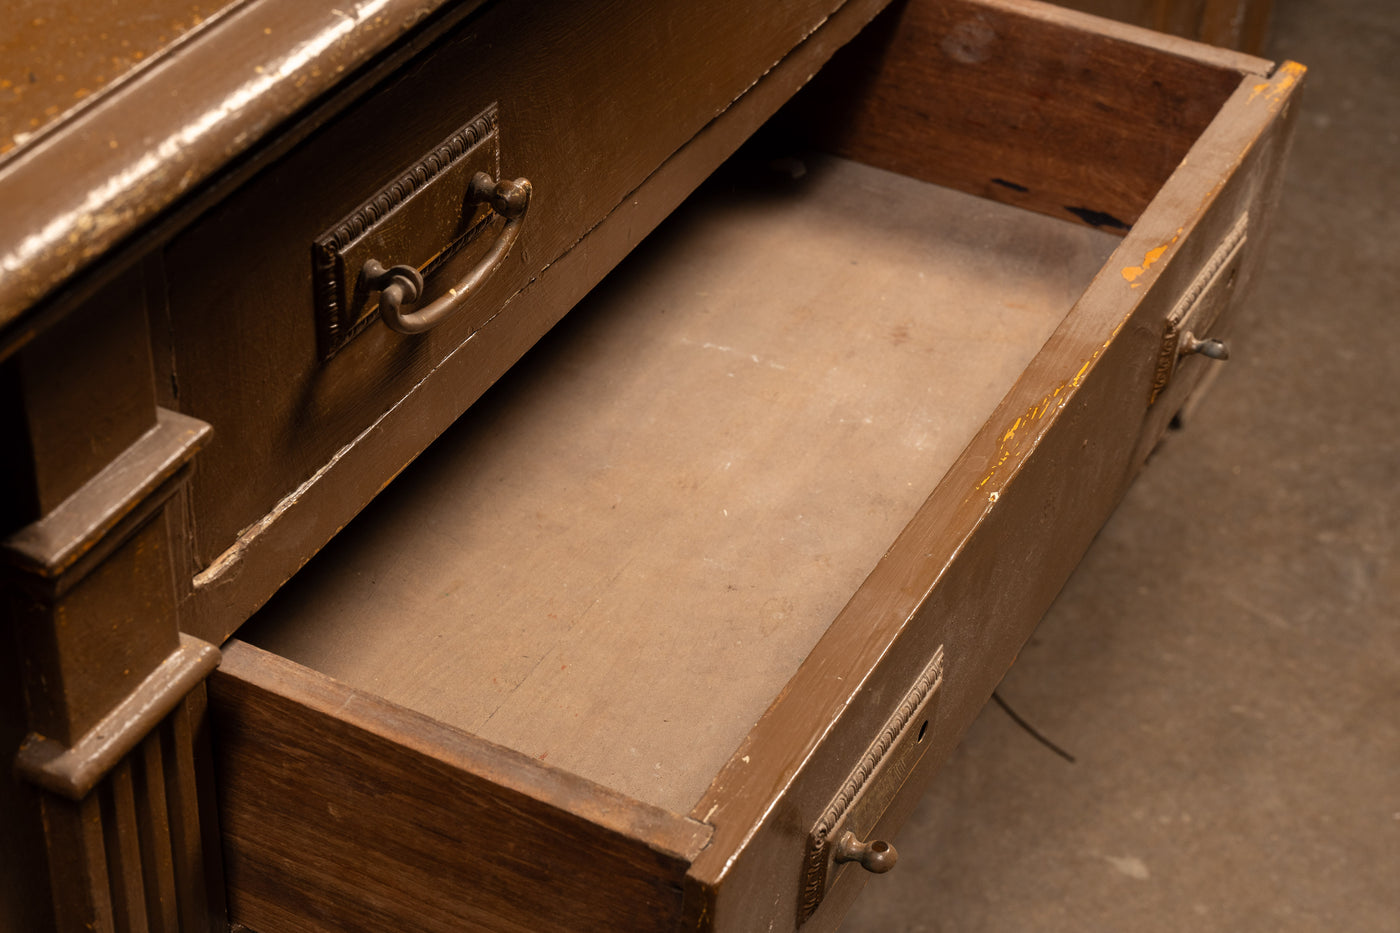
585,101
342,812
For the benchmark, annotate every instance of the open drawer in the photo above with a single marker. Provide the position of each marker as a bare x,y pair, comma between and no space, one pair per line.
670,629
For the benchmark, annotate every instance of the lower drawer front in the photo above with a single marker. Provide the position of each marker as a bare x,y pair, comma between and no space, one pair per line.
587,101
341,812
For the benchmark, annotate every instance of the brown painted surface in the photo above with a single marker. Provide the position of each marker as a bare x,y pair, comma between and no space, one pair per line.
303,522
58,58
129,856
188,136
22,871
343,812
89,587
691,474
1047,487
984,603
86,392
984,557
74,534
94,179
73,770
591,100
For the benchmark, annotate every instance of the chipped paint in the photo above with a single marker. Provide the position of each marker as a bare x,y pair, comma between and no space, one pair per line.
1008,445
1133,273
1048,404
1274,91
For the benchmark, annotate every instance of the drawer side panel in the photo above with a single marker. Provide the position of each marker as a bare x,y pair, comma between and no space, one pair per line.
986,555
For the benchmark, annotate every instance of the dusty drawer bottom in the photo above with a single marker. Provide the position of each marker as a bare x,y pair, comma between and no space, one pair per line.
684,485
596,583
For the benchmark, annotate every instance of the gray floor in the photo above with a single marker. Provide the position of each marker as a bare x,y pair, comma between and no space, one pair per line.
1226,662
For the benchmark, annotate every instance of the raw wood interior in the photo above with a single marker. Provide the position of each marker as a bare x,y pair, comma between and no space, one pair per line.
1032,107
618,557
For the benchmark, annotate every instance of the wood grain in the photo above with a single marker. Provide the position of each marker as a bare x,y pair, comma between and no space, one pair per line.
1235,24
343,812
1035,106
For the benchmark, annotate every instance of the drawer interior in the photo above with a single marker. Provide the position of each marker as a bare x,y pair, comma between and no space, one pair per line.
618,557
661,590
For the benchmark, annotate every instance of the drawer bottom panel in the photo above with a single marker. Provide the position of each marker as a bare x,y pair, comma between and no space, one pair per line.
692,475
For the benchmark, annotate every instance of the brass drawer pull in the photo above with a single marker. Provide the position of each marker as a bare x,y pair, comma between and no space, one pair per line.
403,285
1215,349
875,857
872,786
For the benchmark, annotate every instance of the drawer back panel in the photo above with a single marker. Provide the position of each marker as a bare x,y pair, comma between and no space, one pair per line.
1031,108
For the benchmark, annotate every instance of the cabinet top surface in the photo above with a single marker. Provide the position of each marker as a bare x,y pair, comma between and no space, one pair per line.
111,111
56,58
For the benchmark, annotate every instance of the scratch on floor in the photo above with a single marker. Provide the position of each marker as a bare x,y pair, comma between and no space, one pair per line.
753,357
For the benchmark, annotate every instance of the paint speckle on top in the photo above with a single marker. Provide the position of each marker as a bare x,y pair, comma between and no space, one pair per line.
43,59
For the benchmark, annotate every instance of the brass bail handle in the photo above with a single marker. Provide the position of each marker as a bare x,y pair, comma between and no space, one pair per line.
403,285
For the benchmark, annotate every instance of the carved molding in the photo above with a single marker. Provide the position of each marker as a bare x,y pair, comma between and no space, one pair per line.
817,857
74,771
125,491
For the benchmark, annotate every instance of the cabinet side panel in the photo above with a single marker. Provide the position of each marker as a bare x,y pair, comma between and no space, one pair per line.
21,831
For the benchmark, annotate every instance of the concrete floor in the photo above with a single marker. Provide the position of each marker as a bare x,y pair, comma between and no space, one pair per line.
1225,664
